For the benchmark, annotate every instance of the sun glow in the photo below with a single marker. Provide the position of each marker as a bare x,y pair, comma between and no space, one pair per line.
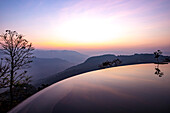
90,30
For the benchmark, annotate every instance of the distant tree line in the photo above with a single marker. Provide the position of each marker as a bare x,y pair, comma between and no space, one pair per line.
110,63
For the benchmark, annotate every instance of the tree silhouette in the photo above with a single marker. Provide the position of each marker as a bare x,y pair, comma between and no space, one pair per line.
110,63
16,59
157,54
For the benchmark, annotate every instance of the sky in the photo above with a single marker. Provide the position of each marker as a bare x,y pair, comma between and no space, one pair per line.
90,26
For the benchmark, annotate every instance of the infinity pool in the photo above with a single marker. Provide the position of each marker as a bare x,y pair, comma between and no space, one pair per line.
143,88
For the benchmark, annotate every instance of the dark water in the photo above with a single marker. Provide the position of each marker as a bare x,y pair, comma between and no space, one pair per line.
143,88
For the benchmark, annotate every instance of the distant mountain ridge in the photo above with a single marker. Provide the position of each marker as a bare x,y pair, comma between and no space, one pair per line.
49,62
71,56
93,63
42,67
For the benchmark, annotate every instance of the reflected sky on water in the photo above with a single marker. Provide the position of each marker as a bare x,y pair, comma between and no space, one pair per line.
125,89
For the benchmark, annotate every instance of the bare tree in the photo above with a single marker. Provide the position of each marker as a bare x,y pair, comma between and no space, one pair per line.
16,59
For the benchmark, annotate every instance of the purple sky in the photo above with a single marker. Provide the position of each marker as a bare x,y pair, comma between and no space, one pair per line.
90,26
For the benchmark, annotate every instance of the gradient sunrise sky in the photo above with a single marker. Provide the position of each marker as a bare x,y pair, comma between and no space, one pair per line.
90,25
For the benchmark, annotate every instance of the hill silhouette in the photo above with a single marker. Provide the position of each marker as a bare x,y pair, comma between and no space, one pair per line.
93,63
71,56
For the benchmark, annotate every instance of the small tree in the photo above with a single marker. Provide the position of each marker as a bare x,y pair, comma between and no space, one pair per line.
16,59
157,54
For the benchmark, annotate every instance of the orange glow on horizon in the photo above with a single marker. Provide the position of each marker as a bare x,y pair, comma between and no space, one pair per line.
90,24
117,44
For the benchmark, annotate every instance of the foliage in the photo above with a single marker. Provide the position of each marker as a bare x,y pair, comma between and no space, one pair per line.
20,92
110,63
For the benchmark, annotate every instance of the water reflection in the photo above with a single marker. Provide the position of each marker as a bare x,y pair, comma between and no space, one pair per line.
124,89
158,71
